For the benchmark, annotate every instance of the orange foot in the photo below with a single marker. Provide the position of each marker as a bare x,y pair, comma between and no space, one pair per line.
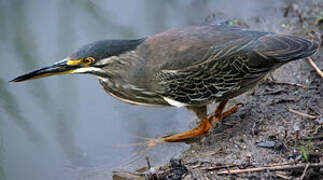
203,128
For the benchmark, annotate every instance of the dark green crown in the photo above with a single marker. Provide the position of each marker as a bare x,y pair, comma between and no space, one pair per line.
106,48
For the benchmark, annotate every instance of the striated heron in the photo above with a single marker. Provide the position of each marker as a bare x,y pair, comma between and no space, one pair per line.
187,67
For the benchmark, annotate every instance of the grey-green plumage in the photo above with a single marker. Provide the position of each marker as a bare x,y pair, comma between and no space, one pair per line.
196,65
189,66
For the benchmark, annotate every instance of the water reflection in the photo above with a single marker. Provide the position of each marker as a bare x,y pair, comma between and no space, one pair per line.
10,107
2,171
67,127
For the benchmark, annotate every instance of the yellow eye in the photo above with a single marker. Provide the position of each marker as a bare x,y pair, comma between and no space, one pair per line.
88,60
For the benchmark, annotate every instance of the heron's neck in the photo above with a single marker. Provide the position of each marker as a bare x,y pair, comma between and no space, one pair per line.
121,66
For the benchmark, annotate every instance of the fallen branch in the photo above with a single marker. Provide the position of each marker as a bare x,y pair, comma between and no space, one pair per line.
302,114
212,168
319,72
273,168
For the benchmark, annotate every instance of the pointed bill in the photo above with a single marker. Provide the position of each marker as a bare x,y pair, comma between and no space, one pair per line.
61,67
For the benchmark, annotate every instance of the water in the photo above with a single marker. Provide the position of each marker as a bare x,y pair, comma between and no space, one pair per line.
66,127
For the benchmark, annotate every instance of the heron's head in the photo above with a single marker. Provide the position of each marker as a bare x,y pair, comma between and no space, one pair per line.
89,59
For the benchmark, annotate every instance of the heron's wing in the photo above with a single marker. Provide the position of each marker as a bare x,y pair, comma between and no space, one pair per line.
181,48
220,74
232,66
194,65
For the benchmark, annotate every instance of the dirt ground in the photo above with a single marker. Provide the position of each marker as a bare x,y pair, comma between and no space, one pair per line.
267,138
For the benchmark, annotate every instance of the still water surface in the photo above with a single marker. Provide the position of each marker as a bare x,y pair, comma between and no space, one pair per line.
66,127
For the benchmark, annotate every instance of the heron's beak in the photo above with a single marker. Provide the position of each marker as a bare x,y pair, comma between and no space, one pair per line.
61,67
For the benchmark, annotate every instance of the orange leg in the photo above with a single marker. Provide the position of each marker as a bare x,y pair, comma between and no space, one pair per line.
230,111
218,114
204,125
202,128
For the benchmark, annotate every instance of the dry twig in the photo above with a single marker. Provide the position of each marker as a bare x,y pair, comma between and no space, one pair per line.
287,83
304,172
218,167
302,114
148,162
282,176
278,101
319,72
271,168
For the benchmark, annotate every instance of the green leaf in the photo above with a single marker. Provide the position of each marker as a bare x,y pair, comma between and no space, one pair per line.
304,154
309,145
